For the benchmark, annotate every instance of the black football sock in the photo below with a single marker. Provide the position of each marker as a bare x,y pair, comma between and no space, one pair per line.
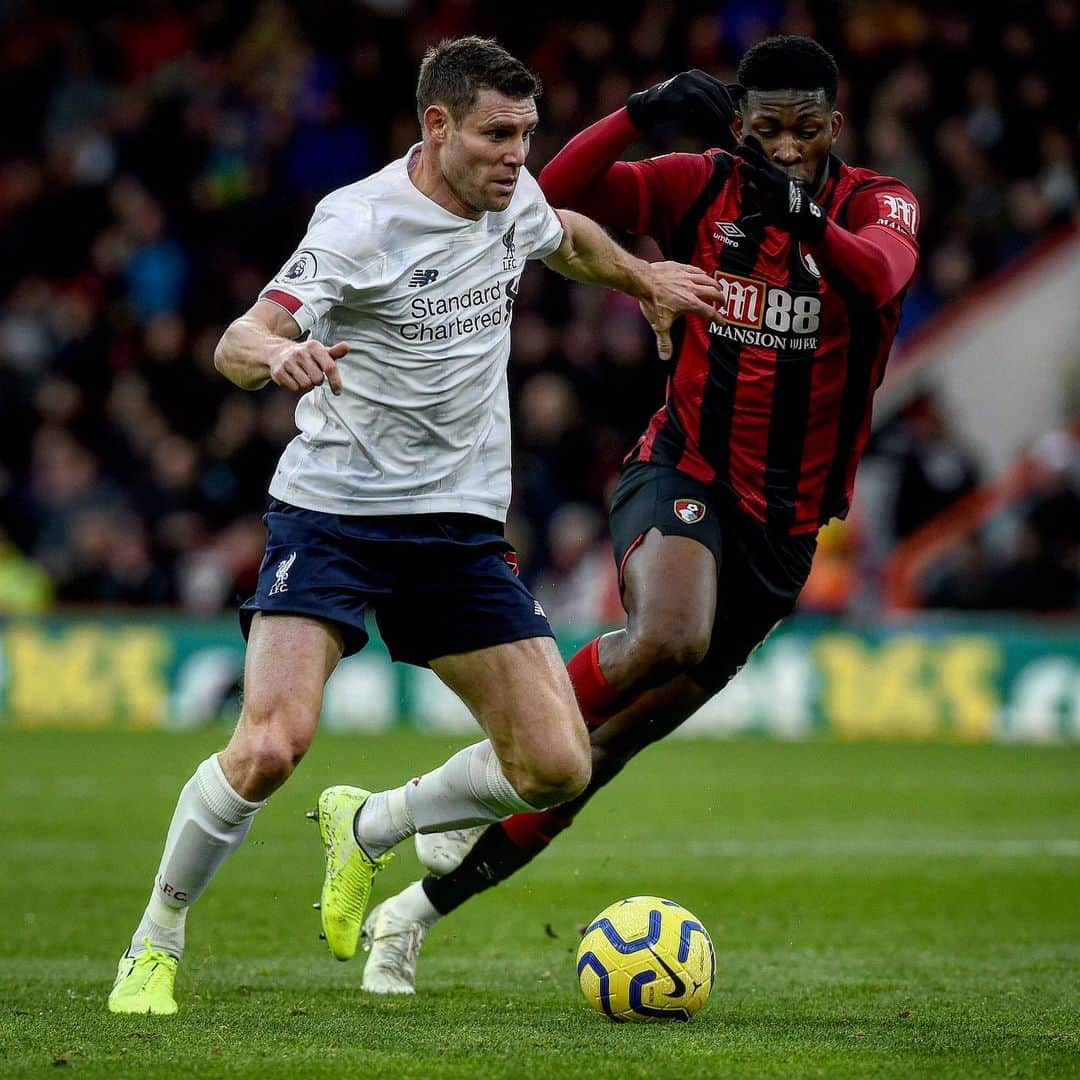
493,858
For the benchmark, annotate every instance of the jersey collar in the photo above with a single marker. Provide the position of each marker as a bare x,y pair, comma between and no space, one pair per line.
833,167
448,216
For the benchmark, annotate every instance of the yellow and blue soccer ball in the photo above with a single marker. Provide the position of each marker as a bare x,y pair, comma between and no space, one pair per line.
646,959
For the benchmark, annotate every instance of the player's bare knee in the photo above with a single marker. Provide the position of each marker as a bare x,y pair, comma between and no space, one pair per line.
274,756
577,776
550,789
555,778
665,647
275,740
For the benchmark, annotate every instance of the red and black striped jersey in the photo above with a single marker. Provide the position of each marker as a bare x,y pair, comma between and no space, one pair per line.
772,400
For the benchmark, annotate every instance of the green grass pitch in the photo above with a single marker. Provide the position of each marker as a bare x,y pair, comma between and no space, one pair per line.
878,910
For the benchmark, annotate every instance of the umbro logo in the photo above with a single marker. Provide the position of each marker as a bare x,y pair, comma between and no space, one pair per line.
729,228
727,232
421,278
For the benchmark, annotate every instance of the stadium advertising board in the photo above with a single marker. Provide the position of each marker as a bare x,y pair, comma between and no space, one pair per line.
928,679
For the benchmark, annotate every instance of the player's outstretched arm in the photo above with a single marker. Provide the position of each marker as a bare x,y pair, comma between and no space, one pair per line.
666,290
259,348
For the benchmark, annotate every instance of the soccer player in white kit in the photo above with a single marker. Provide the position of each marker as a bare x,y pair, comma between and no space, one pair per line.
393,496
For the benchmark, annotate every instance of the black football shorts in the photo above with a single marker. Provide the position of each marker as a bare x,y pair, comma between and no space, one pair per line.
760,572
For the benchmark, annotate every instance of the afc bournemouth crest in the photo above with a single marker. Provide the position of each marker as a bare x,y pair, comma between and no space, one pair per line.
689,510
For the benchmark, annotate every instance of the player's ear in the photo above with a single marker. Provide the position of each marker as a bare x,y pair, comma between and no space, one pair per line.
737,125
436,123
836,122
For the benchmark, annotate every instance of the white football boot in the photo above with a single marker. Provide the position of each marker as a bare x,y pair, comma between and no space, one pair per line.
442,852
393,942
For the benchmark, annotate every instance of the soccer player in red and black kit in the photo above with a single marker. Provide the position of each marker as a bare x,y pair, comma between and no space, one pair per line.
716,513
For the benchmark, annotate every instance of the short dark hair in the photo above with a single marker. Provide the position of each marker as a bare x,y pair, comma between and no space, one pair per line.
454,72
789,62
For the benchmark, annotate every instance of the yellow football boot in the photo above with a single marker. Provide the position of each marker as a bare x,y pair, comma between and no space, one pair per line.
144,983
349,869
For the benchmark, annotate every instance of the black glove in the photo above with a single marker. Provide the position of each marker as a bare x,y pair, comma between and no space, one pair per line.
699,102
783,201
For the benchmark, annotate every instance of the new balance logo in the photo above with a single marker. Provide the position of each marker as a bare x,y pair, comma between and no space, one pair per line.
421,278
282,574
538,610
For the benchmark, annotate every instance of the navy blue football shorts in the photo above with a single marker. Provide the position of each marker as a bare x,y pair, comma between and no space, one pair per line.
759,572
438,583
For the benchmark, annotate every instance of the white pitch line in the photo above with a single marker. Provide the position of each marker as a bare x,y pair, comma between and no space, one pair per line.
840,848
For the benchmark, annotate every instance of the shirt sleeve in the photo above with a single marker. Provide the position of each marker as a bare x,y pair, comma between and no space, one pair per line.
324,268
545,230
888,204
875,252
667,188
645,197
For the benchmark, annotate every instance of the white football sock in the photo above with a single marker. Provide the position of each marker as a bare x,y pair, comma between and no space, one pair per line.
468,789
209,823
412,903
383,821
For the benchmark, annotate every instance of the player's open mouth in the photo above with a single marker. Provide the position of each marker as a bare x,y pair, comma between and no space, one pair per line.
506,185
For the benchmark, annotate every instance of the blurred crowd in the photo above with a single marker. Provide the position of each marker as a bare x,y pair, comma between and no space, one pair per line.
159,164
922,530
1024,558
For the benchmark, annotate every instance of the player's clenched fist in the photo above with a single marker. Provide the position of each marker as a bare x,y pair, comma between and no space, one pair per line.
300,365
699,102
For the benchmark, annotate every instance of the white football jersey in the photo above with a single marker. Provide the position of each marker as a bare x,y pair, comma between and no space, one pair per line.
423,298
